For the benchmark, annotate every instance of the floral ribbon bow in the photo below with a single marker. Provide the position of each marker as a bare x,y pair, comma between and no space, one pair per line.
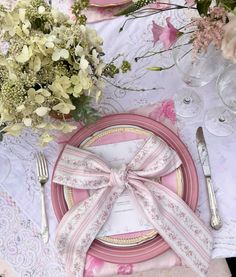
168,213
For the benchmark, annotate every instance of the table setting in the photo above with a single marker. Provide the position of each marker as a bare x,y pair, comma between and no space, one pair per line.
117,138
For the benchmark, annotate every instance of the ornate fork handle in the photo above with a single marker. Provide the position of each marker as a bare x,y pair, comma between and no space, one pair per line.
44,222
42,171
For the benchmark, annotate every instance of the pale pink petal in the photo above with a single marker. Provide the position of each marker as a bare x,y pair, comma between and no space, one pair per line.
168,110
93,266
168,35
156,31
158,6
124,269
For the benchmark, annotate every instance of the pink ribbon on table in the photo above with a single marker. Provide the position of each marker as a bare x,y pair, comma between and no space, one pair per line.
167,212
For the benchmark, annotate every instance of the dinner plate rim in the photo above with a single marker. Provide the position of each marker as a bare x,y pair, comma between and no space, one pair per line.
156,246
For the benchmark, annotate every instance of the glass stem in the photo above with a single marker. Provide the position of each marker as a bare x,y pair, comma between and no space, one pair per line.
187,100
222,117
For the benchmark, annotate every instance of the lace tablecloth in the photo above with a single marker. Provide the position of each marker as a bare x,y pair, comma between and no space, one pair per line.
20,244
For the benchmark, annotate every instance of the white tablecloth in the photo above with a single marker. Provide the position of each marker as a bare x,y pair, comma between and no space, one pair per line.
19,190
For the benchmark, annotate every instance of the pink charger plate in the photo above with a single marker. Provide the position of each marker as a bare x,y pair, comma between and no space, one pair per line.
157,245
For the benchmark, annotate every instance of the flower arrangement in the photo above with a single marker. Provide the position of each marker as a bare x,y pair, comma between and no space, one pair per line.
215,24
49,66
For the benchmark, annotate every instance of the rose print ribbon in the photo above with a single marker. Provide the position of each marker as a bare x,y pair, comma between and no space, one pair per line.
167,212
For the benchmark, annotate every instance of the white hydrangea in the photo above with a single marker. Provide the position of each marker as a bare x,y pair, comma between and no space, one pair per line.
50,66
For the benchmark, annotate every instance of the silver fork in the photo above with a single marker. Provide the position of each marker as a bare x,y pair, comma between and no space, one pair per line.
42,171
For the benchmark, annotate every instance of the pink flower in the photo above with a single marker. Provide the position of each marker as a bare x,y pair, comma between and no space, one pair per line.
209,30
166,110
158,6
93,265
125,269
189,3
157,30
167,35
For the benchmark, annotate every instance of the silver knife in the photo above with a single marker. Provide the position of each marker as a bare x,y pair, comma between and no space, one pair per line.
215,222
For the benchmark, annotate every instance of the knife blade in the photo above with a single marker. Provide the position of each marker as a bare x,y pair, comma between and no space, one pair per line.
215,220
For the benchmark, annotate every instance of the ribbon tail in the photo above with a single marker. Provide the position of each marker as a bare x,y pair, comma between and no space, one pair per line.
80,226
177,224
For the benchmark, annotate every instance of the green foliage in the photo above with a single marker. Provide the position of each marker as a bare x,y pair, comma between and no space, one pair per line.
229,4
82,19
135,6
1,131
125,67
203,6
84,112
111,69
2,9
131,8
78,6
155,68
42,22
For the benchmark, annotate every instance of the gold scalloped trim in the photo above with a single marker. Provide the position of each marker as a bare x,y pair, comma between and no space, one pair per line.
111,131
109,239
132,241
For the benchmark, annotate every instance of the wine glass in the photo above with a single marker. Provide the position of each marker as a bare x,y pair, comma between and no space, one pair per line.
196,70
220,121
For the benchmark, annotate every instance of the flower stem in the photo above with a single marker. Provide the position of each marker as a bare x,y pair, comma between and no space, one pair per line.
149,54
159,68
138,14
128,88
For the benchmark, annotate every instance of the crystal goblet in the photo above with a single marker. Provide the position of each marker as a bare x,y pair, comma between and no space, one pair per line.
220,121
196,70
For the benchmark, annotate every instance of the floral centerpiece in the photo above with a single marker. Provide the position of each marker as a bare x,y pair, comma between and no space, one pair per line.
215,23
49,66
